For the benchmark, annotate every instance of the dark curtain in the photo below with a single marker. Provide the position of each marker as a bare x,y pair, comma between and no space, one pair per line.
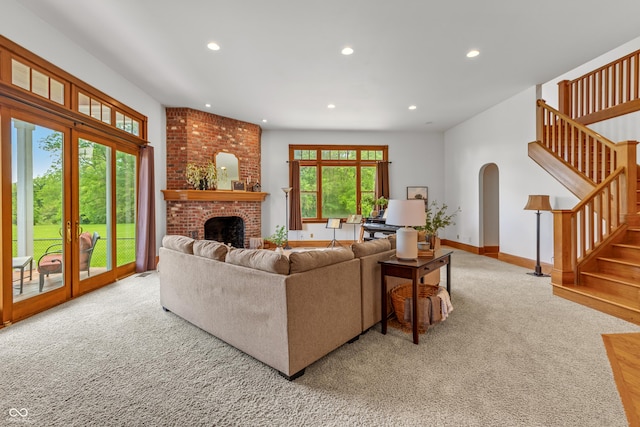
295,211
382,180
146,222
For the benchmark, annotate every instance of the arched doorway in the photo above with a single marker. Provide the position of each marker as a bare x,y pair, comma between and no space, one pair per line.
489,210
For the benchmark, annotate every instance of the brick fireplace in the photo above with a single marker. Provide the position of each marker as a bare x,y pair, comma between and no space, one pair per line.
195,137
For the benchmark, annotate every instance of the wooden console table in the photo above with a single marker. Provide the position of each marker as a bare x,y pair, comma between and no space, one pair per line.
413,270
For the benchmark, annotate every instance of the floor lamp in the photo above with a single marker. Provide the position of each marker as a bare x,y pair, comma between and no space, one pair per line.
286,190
538,203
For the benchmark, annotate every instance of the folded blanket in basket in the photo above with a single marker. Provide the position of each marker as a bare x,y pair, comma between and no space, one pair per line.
429,311
446,302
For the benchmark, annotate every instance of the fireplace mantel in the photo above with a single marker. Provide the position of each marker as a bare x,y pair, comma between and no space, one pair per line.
214,195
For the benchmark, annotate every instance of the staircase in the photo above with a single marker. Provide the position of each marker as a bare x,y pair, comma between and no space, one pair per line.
597,243
612,283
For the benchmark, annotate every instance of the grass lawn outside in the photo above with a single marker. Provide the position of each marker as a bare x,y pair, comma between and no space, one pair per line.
49,234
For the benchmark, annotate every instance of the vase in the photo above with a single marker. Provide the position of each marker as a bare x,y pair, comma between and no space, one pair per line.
279,250
433,241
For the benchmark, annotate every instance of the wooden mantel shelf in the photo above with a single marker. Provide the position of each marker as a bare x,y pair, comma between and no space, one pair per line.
214,195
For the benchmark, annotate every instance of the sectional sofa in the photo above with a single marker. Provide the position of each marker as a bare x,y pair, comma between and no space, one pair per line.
286,311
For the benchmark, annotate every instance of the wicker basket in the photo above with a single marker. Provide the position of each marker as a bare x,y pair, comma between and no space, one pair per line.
404,291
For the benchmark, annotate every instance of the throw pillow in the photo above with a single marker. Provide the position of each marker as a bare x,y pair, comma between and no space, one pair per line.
370,247
304,261
210,249
178,243
259,259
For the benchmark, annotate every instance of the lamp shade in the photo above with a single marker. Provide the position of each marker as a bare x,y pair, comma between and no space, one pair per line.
538,203
406,213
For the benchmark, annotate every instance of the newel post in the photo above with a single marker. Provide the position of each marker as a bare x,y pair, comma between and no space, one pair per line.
540,121
626,156
564,97
564,250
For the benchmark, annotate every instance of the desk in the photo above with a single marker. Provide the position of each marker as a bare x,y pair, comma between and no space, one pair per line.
412,270
21,263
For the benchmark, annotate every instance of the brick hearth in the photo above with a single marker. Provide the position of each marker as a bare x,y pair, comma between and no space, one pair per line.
195,137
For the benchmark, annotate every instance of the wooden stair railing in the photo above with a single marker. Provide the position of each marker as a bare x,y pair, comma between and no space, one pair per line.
579,231
609,91
613,201
588,152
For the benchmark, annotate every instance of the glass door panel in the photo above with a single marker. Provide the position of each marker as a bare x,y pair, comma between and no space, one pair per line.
39,228
125,208
94,226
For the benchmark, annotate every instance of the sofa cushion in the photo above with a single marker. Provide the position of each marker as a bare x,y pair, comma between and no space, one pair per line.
259,259
304,261
182,244
370,247
210,249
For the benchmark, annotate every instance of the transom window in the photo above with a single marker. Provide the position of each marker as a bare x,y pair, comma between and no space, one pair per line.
336,180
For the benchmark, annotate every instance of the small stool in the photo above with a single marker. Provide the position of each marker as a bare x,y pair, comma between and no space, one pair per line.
21,263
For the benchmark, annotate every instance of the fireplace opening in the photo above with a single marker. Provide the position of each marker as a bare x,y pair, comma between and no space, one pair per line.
225,229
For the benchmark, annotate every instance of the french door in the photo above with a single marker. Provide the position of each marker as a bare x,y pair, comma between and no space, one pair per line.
63,222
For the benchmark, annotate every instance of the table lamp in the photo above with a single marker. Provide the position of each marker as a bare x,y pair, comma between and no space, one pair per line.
406,213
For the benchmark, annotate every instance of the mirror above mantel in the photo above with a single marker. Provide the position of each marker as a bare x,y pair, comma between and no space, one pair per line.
228,170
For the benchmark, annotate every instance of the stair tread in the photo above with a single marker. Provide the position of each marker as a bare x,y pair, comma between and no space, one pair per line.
605,296
620,261
611,277
627,245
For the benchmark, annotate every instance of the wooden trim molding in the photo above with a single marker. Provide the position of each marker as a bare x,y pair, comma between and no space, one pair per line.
214,195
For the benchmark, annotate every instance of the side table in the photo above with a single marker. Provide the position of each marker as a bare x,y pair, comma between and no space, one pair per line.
412,269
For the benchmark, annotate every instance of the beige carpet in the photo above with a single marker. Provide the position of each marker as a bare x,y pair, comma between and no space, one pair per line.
510,354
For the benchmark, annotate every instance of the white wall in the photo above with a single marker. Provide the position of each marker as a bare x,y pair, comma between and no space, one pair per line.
22,27
416,161
500,135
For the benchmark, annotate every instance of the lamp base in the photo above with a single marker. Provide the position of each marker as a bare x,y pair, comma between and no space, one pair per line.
538,272
407,244
533,273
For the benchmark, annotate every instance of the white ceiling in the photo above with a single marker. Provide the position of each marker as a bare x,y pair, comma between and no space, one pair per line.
280,59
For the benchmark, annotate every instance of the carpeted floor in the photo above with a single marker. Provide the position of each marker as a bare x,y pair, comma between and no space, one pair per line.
510,354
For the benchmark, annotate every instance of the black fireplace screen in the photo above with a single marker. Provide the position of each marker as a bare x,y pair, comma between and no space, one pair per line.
225,229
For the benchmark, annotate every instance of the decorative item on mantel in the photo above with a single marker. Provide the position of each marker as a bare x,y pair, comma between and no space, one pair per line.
202,177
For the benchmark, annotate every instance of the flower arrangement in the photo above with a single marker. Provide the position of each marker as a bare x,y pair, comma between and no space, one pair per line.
202,177
193,175
438,218
279,238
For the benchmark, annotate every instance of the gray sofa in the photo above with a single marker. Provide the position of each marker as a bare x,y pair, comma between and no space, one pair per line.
287,312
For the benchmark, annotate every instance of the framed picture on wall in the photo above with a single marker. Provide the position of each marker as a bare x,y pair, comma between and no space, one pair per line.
238,186
421,193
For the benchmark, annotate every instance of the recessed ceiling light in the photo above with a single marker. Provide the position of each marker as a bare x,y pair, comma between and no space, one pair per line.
213,46
473,53
347,51
331,106
264,120
207,105
412,107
